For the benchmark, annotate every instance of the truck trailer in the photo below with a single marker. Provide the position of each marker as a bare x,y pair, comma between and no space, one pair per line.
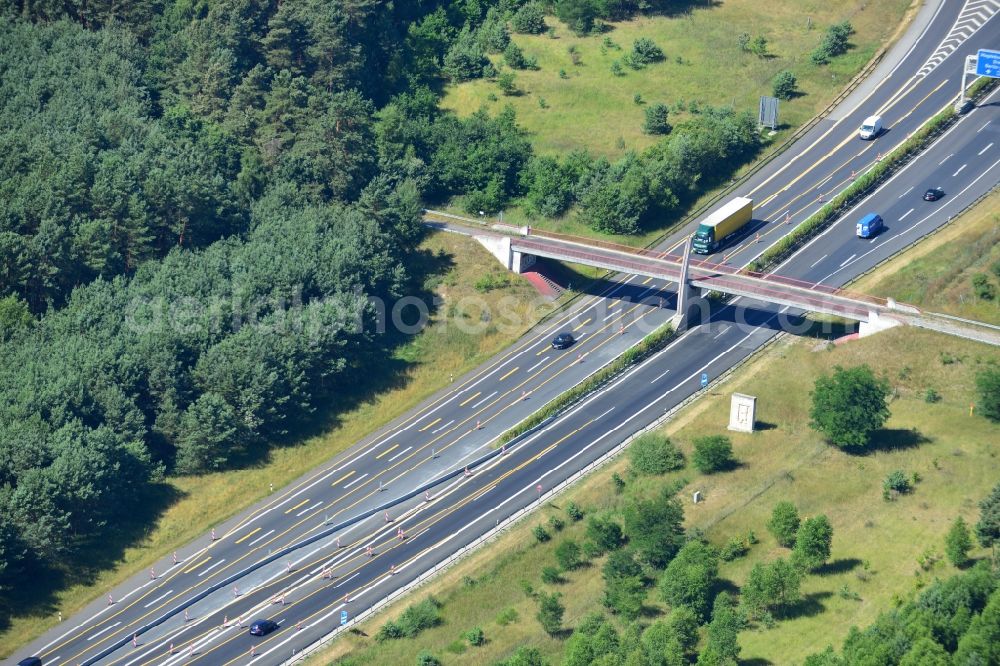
722,225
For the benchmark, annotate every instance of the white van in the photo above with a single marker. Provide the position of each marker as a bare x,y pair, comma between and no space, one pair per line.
871,128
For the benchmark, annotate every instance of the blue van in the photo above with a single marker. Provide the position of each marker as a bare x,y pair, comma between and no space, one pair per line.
870,225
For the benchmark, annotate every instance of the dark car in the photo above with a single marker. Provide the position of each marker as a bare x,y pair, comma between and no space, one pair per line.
563,340
262,627
30,661
933,194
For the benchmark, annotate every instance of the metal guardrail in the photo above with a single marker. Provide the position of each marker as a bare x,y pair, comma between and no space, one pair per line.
510,521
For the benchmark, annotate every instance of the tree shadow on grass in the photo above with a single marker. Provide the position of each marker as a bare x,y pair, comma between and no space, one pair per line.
809,605
39,597
843,565
896,439
756,661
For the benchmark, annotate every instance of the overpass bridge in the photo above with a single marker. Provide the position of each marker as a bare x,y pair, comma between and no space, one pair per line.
517,248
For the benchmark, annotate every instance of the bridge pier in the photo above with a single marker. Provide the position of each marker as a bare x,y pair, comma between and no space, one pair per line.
691,306
875,324
499,247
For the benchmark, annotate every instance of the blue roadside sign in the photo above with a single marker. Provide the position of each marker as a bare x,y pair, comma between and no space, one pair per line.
704,379
343,618
988,63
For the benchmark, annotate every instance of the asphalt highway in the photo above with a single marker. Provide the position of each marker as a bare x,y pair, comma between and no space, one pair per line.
306,589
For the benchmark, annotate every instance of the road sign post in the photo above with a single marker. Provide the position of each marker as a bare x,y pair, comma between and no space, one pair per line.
343,617
986,62
704,379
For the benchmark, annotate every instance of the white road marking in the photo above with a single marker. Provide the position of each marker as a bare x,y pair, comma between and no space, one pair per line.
659,377
400,453
104,630
819,260
159,598
211,567
262,536
355,480
434,432
987,124
536,365
848,260
905,214
946,159
959,170
348,579
905,193
305,511
721,332
988,146
476,406
615,312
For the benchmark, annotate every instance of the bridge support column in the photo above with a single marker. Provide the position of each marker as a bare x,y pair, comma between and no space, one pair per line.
689,302
499,247
875,324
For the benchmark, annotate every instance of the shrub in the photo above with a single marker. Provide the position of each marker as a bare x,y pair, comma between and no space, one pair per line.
931,396
550,613
656,119
574,512
784,523
475,636
988,389
556,523
713,453
834,43
645,51
759,46
896,482
541,536
813,542
514,56
618,482
529,19
958,543
743,39
605,532
784,84
734,549
653,453
771,586
995,268
616,68
568,555
506,616
982,287
425,658
506,83
688,579
849,405
420,616
465,59
550,575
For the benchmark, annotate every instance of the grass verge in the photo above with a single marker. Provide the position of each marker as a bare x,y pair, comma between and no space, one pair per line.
876,544
589,97
461,334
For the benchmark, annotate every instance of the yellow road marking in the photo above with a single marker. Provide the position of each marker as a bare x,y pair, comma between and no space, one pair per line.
648,280
581,325
343,478
195,566
302,503
542,350
387,451
470,399
429,424
510,373
248,535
